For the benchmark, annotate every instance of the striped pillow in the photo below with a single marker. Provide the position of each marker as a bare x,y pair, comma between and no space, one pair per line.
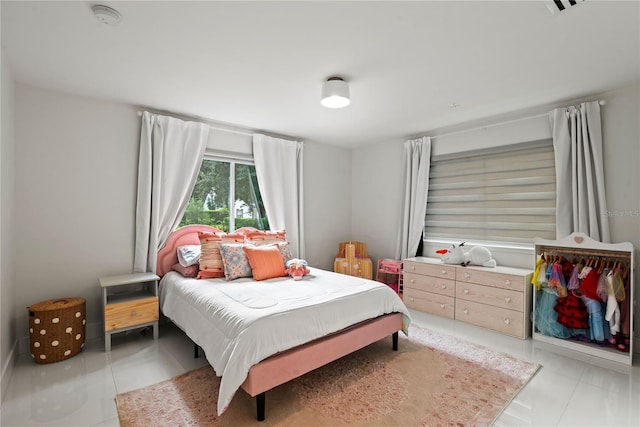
210,260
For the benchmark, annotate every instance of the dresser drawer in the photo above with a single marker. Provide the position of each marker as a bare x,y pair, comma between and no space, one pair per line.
508,322
490,278
436,270
496,297
430,284
130,313
429,302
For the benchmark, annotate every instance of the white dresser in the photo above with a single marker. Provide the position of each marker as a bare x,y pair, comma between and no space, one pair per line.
494,298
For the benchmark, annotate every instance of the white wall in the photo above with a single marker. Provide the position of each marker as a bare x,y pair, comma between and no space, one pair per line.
76,162
327,202
621,140
7,196
377,185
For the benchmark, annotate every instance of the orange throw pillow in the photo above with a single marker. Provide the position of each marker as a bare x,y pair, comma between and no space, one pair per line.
266,261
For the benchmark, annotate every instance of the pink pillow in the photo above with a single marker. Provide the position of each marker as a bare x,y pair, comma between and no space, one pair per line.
191,271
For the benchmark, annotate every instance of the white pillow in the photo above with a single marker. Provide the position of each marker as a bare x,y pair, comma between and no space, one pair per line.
188,255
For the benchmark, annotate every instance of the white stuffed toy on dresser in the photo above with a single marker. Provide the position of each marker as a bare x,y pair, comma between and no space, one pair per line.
477,255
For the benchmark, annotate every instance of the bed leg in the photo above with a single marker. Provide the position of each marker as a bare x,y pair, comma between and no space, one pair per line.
195,351
394,338
260,403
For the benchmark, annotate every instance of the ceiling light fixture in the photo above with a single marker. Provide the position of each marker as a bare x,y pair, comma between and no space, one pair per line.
335,93
107,15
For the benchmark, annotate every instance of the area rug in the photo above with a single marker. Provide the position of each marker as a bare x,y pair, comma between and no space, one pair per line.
432,380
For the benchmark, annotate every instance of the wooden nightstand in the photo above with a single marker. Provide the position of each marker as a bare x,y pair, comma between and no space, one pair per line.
129,301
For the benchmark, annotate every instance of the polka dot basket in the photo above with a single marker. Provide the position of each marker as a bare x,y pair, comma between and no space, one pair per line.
57,329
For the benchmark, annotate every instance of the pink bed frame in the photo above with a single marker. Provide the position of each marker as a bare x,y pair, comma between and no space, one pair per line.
287,365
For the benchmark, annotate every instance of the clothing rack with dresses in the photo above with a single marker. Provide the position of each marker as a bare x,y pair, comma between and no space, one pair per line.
583,296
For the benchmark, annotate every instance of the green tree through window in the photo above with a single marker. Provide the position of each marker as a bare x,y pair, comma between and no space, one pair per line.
226,196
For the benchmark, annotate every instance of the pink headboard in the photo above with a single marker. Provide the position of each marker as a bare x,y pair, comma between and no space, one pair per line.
187,235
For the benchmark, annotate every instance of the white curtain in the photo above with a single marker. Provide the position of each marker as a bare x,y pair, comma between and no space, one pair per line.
171,153
581,204
278,165
417,159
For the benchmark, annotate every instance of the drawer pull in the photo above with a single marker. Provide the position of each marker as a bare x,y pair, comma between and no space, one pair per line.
507,282
466,291
412,267
444,271
507,299
134,314
412,299
507,321
467,275
413,281
443,286
466,311
441,305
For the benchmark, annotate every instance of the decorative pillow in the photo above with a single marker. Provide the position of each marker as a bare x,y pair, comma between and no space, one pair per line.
188,255
284,250
259,237
266,261
245,230
190,271
234,261
210,260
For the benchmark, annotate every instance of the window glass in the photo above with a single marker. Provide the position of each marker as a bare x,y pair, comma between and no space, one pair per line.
226,196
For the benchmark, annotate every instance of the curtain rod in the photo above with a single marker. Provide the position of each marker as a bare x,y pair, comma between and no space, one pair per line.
577,251
238,132
601,102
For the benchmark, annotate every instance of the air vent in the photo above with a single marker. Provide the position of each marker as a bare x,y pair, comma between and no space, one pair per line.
558,6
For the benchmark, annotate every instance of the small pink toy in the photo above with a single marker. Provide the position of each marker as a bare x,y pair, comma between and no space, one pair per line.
297,268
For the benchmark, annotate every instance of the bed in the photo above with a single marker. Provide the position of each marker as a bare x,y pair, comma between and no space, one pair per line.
261,334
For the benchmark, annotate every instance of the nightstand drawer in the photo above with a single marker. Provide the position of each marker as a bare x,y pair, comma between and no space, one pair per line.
130,313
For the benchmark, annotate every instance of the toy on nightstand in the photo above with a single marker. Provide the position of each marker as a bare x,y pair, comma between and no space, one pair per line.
297,268
477,255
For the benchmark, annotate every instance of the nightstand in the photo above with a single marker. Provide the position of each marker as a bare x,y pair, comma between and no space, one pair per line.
129,301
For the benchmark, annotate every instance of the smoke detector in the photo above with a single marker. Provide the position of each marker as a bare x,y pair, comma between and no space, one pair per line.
107,15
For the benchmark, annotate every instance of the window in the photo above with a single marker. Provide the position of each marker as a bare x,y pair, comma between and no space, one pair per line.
506,196
226,196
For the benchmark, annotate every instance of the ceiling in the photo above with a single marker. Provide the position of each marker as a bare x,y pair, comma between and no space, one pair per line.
413,67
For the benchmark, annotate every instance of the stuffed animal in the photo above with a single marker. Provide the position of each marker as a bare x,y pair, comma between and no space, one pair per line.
477,255
296,268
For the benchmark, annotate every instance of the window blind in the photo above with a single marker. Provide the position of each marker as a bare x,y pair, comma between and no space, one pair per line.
506,196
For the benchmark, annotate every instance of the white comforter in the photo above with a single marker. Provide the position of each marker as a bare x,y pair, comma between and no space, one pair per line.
242,322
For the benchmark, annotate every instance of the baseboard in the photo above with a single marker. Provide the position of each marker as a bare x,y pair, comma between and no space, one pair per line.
7,371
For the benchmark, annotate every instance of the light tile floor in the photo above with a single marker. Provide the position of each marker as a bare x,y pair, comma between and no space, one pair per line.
567,391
